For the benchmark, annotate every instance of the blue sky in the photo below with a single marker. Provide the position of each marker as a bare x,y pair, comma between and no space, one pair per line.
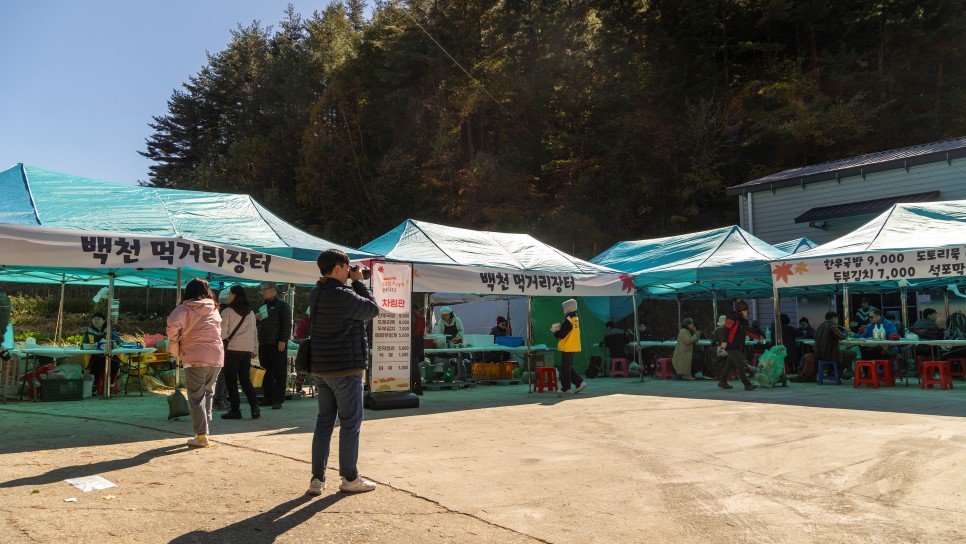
82,78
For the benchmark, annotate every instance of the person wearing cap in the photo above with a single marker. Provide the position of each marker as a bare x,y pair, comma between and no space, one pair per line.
502,327
733,343
94,334
720,355
872,353
221,396
684,350
568,336
274,329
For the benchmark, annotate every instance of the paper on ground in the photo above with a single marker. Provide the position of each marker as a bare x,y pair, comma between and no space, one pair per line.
90,483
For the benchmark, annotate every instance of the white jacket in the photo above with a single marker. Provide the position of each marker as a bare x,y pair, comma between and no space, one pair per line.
244,339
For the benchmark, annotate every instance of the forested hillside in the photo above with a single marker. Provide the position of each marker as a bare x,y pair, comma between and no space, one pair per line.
582,122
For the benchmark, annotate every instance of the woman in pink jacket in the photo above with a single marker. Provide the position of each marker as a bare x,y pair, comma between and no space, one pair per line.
194,332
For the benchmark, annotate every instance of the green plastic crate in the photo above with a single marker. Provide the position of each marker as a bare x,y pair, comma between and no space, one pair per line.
55,390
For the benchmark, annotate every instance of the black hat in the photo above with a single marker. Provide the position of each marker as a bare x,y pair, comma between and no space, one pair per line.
741,306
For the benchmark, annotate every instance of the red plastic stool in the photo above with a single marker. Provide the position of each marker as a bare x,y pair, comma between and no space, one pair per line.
945,380
546,378
873,374
663,369
919,360
887,376
961,361
618,367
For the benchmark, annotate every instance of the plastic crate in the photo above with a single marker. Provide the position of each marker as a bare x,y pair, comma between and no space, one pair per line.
55,390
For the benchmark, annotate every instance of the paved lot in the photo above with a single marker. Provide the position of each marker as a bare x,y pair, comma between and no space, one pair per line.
623,462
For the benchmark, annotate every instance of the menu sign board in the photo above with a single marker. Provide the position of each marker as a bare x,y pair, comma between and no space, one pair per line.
871,267
392,328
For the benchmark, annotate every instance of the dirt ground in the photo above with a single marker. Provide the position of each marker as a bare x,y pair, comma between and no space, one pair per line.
623,462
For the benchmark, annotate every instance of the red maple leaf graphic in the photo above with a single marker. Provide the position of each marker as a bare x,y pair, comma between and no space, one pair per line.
381,269
627,283
782,271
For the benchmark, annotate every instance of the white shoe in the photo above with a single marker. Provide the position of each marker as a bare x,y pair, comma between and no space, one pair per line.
356,486
316,486
198,442
581,387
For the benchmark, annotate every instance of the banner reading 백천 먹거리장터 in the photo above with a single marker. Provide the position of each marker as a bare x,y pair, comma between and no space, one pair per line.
392,328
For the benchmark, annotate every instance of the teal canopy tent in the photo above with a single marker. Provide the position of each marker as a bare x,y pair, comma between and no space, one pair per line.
38,197
797,245
720,262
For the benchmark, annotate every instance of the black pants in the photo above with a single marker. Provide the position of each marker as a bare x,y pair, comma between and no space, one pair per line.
735,362
96,368
275,363
238,366
417,354
567,373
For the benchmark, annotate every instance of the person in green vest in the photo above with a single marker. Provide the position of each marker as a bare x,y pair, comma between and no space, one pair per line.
568,334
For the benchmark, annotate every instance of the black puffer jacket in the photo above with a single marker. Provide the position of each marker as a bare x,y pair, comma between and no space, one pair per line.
338,332
277,327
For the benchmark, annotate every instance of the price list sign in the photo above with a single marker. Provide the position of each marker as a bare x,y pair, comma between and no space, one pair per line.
392,328
871,267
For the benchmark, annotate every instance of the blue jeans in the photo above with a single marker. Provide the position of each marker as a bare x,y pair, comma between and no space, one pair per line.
342,397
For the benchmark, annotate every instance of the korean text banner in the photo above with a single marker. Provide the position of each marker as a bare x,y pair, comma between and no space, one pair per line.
391,329
429,278
882,266
27,246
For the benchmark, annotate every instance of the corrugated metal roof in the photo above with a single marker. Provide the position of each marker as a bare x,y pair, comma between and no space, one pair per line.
865,207
905,157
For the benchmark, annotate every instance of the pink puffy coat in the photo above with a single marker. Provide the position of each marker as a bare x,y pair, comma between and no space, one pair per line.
202,345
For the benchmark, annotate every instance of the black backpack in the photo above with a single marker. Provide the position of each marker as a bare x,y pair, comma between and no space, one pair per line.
594,368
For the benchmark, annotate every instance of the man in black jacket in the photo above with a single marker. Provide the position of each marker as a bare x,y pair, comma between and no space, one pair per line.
340,353
274,329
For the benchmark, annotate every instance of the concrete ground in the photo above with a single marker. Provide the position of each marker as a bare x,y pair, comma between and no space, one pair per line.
623,461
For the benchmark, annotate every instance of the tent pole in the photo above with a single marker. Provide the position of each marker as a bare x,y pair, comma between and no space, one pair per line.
147,298
778,313
946,302
679,311
903,298
845,307
109,335
637,335
714,304
59,329
177,298
531,365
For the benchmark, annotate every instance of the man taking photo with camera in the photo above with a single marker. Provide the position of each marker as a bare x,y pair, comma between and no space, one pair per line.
340,355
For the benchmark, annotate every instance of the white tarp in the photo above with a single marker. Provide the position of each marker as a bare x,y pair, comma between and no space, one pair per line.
455,260
922,243
25,248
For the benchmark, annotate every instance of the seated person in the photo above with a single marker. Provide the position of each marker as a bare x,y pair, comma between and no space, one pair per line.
502,328
303,326
880,352
616,341
788,340
900,330
94,334
863,315
805,329
827,338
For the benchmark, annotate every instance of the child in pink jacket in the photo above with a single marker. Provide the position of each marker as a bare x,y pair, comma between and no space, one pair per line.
194,333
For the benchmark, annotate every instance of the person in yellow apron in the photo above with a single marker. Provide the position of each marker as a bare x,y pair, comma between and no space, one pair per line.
568,334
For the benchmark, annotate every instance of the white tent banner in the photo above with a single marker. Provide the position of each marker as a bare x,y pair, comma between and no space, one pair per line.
878,266
392,328
62,248
429,278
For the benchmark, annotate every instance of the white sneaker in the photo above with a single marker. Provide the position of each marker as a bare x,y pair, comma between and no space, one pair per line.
581,387
198,442
356,486
316,486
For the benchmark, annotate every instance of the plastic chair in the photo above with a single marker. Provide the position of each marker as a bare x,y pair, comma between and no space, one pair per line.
961,363
944,381
618,367
822,363
663,369
546,378
871,379
887,375
133,366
